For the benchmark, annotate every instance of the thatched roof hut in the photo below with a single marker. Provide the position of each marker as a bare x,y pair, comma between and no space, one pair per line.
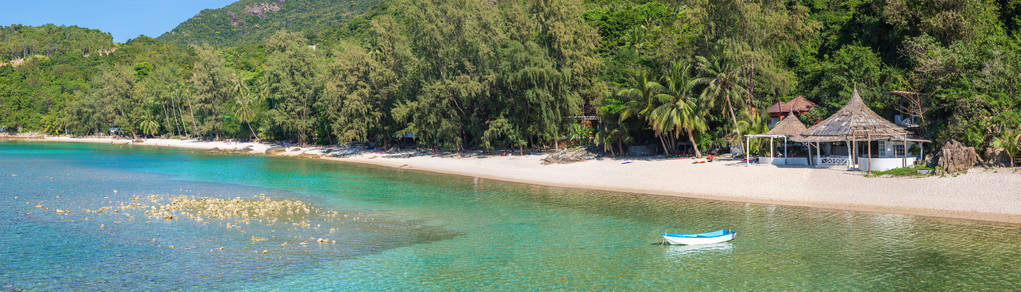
855,121
789,126
798,105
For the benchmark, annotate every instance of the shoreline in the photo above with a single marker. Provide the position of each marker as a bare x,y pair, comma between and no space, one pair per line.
982,195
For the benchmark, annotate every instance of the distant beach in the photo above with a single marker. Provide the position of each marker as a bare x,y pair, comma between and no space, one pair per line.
981,194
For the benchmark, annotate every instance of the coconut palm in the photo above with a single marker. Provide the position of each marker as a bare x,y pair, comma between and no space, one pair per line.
680,111
753,123
611,133
723,87
1010,142
244,111
642,97
149,126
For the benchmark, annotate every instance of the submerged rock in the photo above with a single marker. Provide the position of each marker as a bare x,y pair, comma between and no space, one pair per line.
275,150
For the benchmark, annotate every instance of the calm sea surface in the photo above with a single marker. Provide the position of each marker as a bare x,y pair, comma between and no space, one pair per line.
412,231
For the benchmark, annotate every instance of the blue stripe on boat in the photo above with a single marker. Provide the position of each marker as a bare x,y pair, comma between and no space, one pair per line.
717,233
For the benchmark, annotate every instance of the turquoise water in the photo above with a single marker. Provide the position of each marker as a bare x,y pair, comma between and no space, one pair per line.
417,231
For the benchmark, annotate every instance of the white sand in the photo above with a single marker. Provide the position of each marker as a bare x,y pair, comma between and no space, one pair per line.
992,195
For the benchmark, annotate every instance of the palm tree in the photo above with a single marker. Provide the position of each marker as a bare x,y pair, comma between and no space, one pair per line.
722,86
641,94
611,133
680,112
642,97
149,126
753,124
1010,141
244,111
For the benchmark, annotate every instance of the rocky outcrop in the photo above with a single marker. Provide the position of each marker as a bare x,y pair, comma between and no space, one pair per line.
262,9
568,156
956,158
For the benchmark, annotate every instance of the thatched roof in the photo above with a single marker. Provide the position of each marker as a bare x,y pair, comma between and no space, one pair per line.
798,104
789,126
855,121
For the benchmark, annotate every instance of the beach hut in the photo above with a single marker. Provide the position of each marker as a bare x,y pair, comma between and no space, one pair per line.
788,127
838,139
797,106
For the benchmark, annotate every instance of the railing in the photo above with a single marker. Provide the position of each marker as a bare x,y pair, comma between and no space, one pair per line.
831,160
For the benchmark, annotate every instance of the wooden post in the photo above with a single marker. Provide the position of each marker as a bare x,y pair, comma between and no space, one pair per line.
869,147
770,150
854,153
818,152
785,156
810,162
748,147
905,151
849,154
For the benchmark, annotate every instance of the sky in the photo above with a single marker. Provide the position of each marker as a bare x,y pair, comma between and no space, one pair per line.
124,19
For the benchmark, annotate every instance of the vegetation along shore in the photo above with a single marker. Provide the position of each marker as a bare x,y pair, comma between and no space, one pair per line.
980,194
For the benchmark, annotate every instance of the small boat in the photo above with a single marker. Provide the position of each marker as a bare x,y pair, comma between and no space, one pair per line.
717,236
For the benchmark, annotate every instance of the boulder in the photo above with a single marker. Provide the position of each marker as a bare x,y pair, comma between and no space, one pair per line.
568,156
275,150
996,157
956,158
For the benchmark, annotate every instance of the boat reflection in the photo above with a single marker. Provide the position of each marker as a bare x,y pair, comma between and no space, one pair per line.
699,249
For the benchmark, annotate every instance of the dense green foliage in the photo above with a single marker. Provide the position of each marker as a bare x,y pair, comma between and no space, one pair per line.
252,21
516,74
18,41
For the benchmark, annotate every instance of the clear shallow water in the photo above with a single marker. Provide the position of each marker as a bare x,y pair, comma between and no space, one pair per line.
436,232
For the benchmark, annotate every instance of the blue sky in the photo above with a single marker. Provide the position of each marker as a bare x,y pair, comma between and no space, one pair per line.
124,19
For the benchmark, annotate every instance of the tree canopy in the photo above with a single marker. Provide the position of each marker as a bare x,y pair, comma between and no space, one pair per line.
518,74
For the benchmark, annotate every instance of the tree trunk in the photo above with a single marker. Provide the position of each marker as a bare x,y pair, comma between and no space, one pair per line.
665,151
254,136
733,118
691,138
191,109
620,144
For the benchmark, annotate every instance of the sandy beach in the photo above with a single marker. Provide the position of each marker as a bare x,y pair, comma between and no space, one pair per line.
988,195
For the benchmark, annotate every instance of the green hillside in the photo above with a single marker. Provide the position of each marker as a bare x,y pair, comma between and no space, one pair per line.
248,21
19,41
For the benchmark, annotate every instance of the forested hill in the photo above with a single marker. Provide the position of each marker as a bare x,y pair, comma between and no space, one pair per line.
248,21
19,41
461,74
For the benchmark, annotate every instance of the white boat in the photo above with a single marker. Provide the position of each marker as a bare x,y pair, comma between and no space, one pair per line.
717,236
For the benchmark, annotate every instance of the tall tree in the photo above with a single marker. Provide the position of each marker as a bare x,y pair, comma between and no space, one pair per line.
681,111
116,86
213,88
293,87
723,87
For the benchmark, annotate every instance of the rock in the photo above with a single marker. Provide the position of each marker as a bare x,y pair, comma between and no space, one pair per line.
568,156
956,158
275,150
996,157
